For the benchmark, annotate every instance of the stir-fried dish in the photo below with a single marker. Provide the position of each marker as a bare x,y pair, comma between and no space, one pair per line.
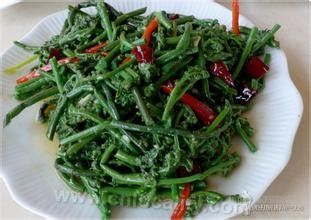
145,107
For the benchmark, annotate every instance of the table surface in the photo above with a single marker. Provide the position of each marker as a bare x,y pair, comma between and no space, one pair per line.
288,196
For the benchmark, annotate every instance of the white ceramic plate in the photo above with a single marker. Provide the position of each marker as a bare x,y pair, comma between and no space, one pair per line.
7,3
28,157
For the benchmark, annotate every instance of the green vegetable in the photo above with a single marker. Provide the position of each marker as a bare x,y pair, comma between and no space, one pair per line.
266,37
184,19
35,85
245,137
135,179
246,52
124,17
57,76
104,62
25,46
219,119
185,83
181,47
16,67
141,106
115,71
102,11
201,176
126,158
163,19
107,153
55,117
28,102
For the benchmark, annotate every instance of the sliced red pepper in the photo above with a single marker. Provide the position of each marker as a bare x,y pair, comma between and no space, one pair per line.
96,48
45,68
255,68
181,207
204,112
220,70
29,76
143,54
235,17
126,59
150,29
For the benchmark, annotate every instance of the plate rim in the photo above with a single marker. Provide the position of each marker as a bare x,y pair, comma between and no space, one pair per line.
299,108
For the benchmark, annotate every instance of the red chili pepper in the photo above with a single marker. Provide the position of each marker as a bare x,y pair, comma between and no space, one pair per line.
96,48
126,59
173,16
54,53
255,68
150,29
143,54
45,68
182,171
235,17
220,70
31,75
181,207
204,112
195,169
